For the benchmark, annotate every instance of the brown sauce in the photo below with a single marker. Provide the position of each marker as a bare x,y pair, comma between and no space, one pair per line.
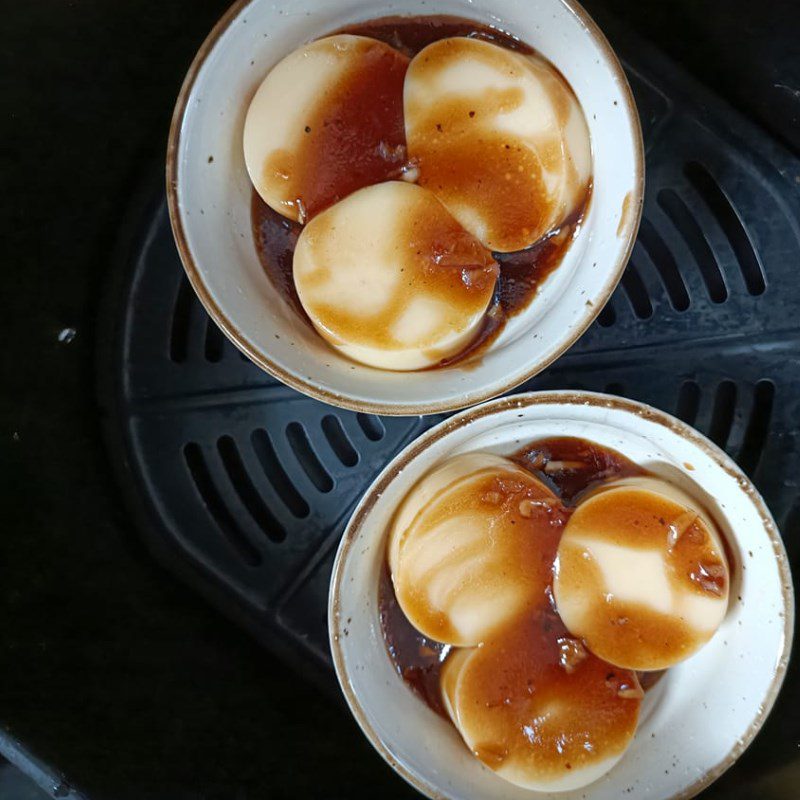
625,213
533,696
417,659
629,629
521,273
361,122
439,261
569,466
463,153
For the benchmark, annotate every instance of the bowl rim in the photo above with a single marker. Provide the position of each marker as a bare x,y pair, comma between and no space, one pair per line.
627,234
560,397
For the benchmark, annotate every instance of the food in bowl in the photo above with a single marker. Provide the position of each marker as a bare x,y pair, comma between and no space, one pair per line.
389,278
532,600
641,574
326,120
462,559
500,138
491,132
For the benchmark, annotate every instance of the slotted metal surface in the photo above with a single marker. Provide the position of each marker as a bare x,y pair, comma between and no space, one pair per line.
243,486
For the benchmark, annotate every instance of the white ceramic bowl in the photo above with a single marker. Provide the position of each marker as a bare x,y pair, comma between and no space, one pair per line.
695,722
209,202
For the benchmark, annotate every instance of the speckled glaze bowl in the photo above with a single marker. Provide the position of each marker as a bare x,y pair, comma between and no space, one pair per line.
701,715
209,202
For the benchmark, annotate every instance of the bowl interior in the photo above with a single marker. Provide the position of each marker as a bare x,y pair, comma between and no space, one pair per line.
697,719
210,193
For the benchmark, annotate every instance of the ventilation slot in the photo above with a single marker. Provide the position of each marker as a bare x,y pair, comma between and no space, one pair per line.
248,494
790,530
215,342
307,458
181,321
688,402
372,427
665,264
337,439
615,388
215,505
607,316
634,287
728,219
723,413
681,217
268,458
755,437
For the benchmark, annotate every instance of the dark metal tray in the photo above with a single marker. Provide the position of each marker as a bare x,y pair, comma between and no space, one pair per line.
242,486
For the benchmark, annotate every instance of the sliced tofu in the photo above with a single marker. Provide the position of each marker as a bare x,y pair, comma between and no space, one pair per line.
471,548
326,120
390,279
500,137
539,721
641,574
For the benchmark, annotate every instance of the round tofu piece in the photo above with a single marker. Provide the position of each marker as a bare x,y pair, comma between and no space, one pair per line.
471,548
538,709
448,678
390,279
326,120
500,137
641,574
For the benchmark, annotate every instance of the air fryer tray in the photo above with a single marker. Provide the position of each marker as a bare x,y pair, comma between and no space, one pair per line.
243,487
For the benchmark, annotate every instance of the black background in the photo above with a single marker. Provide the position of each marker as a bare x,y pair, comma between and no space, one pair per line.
109,670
